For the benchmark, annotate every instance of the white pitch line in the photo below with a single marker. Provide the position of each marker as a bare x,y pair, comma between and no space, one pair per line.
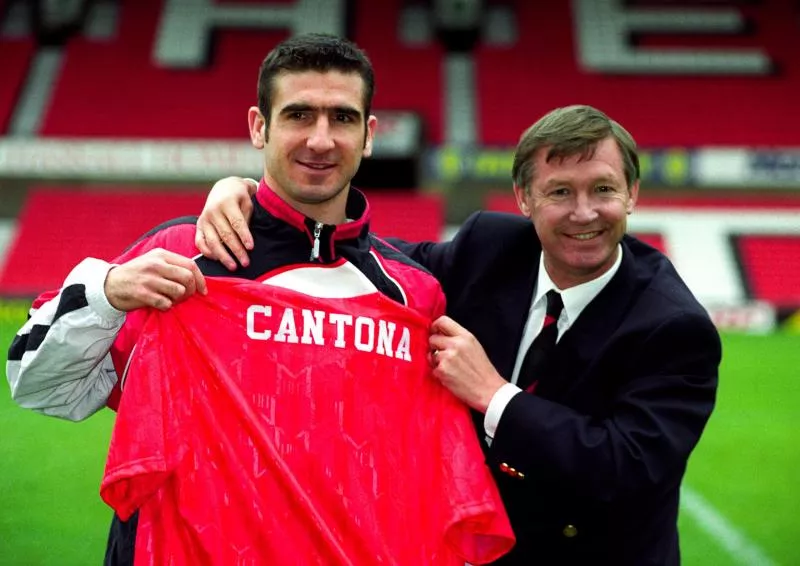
732,540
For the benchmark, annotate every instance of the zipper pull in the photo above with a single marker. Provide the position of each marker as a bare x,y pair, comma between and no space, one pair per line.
315,247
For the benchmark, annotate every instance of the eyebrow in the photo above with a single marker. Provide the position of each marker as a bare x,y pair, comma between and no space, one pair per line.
601,179
300,107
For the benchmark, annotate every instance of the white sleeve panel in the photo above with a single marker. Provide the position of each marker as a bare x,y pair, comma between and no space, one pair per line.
58,363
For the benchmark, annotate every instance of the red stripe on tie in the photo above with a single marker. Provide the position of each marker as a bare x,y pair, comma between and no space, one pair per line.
548,320
532,387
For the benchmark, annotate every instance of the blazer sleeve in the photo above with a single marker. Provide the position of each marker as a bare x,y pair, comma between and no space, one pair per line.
654,423
440,258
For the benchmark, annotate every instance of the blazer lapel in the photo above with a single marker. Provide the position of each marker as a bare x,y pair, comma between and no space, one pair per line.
588,335
512,306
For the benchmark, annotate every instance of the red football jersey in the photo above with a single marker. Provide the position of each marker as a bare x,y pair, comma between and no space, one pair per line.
261,425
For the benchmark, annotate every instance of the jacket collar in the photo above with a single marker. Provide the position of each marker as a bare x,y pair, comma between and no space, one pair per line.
357,211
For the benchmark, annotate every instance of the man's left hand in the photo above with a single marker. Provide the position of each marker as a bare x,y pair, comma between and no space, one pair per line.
461,365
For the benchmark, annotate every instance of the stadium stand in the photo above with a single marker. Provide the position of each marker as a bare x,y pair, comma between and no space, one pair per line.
519,83
113,88
771,268
408,77
16,57
58,228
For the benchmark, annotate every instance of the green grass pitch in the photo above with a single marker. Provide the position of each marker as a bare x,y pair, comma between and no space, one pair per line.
745,468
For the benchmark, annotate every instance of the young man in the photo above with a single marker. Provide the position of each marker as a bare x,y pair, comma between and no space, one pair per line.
588,436
310,233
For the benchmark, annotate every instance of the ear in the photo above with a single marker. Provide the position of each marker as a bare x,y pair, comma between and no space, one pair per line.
372,126
257,124
634,196
520,195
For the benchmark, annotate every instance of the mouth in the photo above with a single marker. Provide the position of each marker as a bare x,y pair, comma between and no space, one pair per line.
317,166
585,236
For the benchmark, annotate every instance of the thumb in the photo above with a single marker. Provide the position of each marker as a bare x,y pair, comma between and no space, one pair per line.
446,326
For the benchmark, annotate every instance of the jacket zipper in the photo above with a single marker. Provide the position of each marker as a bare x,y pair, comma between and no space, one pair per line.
315,247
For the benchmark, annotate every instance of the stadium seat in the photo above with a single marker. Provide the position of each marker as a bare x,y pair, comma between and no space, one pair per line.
16,56
113,88
57,227
407,77
771,268
520,83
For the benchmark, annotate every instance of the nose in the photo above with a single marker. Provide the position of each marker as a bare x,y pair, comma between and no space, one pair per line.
320,138
584,210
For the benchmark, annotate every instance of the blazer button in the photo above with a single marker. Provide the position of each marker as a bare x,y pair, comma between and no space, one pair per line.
504,468
569,531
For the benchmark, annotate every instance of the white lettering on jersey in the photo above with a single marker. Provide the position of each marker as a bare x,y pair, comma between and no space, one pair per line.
252,311
287,331
312,325
385,336
340,320
367,335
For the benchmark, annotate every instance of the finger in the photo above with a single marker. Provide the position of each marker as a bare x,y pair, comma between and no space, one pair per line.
168,288
239,221
447,326
439,342
217,249
199,280
200,242
231,226
185,271
433,360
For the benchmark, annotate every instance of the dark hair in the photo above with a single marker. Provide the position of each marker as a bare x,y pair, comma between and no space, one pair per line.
313,52
569,131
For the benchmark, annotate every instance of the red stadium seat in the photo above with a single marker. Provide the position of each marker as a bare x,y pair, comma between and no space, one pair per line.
771,268
407,78
518,84
57,228
114,88
16,57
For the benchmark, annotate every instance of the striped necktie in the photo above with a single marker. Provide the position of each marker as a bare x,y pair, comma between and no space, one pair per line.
536,355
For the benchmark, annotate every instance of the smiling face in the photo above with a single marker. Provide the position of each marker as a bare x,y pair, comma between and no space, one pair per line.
579,209
317,136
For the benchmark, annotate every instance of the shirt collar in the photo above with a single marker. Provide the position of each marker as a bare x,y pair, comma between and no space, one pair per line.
575,298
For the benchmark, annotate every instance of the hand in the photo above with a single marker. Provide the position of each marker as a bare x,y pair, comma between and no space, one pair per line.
157,279
461,364
224,221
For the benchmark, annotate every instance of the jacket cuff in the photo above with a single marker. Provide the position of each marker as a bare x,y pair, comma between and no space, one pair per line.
92,273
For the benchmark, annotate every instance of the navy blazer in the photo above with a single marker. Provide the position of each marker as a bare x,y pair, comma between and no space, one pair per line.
589,468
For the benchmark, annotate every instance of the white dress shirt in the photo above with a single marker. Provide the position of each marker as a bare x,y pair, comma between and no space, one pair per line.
575,300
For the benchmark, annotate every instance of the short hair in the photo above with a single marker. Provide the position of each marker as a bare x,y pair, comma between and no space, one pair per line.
319,52
569,131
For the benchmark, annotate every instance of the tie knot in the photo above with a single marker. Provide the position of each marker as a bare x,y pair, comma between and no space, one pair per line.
554,304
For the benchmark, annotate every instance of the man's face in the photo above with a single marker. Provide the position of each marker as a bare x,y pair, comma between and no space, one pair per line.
579,210
316,139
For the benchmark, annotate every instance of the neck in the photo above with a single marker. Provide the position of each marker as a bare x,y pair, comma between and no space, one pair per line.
326,212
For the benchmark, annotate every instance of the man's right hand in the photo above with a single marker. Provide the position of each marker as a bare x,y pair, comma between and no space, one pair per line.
158,279
224,221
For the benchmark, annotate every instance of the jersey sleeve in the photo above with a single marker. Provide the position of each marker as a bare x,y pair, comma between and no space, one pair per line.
59,362
147,442
478,528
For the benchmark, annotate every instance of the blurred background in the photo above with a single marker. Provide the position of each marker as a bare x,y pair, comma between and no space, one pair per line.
118,114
